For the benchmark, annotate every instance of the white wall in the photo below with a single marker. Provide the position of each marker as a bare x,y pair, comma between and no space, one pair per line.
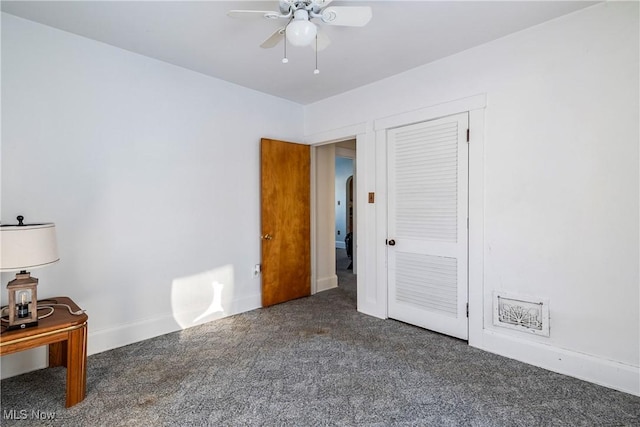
559,183
150,173
344,169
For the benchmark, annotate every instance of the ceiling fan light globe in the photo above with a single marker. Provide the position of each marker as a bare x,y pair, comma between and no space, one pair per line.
301,33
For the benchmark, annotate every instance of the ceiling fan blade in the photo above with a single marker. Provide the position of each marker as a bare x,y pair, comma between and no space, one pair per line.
350,16
273,39
322,3
253,14
322,39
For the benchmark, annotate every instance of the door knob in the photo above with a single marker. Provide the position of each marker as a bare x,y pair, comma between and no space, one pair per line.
392,242
267,237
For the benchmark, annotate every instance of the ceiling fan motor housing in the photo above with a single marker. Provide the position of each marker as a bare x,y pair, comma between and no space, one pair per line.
309,5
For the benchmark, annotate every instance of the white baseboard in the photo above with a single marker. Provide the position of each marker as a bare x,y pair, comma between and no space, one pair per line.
121,335
327,283
129,333
608,373
371,310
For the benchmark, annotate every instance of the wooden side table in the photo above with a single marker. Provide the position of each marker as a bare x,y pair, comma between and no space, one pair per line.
66,335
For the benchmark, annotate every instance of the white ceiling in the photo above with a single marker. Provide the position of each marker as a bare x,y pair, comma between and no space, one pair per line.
199,36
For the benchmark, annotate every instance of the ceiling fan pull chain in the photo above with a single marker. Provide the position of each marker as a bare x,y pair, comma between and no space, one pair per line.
285,60
316,71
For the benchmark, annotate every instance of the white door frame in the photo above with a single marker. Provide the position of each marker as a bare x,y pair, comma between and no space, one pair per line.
475,106
357,132
371,218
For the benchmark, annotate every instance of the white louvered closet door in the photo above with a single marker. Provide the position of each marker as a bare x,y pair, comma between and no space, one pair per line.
427,252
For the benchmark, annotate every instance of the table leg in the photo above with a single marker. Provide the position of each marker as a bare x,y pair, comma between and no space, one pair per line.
76,365
58,354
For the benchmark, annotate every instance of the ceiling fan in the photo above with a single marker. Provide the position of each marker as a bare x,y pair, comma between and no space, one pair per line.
300,30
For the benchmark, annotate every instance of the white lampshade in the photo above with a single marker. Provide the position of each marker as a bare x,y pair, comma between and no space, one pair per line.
25,247
301,31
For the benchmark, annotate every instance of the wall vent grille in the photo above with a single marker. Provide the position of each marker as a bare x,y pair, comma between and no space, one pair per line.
521,313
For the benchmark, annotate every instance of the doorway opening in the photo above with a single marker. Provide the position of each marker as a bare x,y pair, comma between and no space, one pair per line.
344,203
335,218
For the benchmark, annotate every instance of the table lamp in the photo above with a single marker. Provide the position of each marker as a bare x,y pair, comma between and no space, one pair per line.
25,247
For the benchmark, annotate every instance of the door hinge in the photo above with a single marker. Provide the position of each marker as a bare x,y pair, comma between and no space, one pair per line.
467,309
467,135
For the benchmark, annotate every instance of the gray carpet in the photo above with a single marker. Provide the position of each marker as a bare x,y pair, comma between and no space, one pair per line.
315,361
346,278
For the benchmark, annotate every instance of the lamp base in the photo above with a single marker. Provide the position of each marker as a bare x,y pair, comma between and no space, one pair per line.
23,292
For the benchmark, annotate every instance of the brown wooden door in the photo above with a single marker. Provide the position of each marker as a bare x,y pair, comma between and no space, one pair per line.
286,231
